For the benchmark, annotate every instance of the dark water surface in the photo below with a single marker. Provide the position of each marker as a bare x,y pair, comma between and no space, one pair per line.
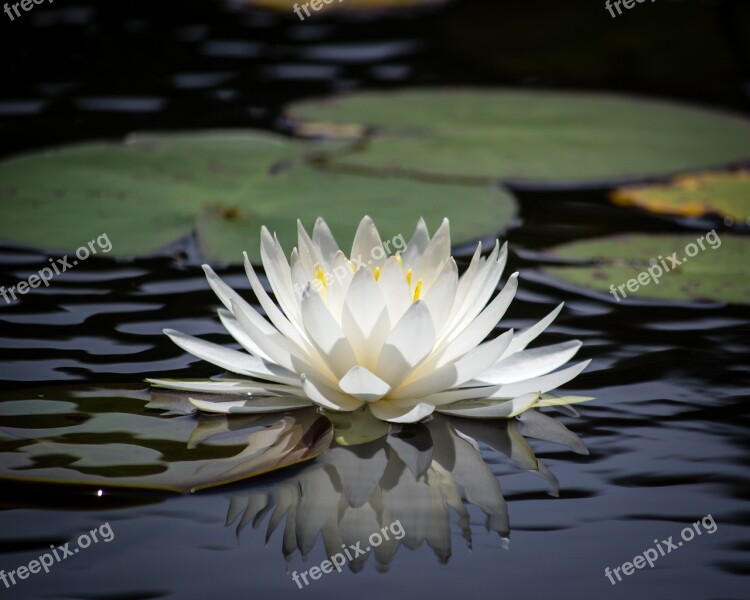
667,434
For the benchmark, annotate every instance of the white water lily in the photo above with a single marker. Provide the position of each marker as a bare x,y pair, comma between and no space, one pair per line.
402,334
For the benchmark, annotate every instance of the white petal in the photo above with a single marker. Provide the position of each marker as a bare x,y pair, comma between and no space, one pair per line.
483,410
466,280
325,242
525,337
273,312
439,297
251,406
279,273
457,373
387,411
528,364
364,385
368,247
308,252
243,339
416,246
437,251
329,398
562,401
226,386
542,384
408,344
232,360
484,285
326,334
459,394
364,320
227,295
482,325
281,350
341,274
300,275
395,289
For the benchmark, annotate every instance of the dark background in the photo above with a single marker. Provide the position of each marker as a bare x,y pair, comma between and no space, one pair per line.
76,70
668,429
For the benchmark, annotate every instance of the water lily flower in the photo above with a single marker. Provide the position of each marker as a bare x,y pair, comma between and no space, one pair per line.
403,334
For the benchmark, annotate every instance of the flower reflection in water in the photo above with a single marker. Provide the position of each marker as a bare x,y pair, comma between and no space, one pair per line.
375,474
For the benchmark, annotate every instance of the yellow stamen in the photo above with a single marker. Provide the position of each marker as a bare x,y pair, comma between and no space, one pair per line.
417,290
408,277
320,275
352,266
399,259
377,273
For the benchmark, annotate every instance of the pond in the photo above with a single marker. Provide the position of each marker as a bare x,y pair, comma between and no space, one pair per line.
642,493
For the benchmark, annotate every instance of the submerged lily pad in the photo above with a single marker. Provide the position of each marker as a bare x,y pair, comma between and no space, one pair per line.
105,436
151,190
527,138
719,272
723,194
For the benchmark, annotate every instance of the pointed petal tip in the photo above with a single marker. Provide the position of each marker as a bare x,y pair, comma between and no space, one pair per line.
414,415
364,385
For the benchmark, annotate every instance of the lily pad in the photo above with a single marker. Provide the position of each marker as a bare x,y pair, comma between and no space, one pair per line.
106,437
151,190
530,139
723,194
719,272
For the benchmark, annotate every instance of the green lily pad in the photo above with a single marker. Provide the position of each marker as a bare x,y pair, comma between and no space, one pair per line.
526,138
106,437
358,427
151,190
724,194
719,272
